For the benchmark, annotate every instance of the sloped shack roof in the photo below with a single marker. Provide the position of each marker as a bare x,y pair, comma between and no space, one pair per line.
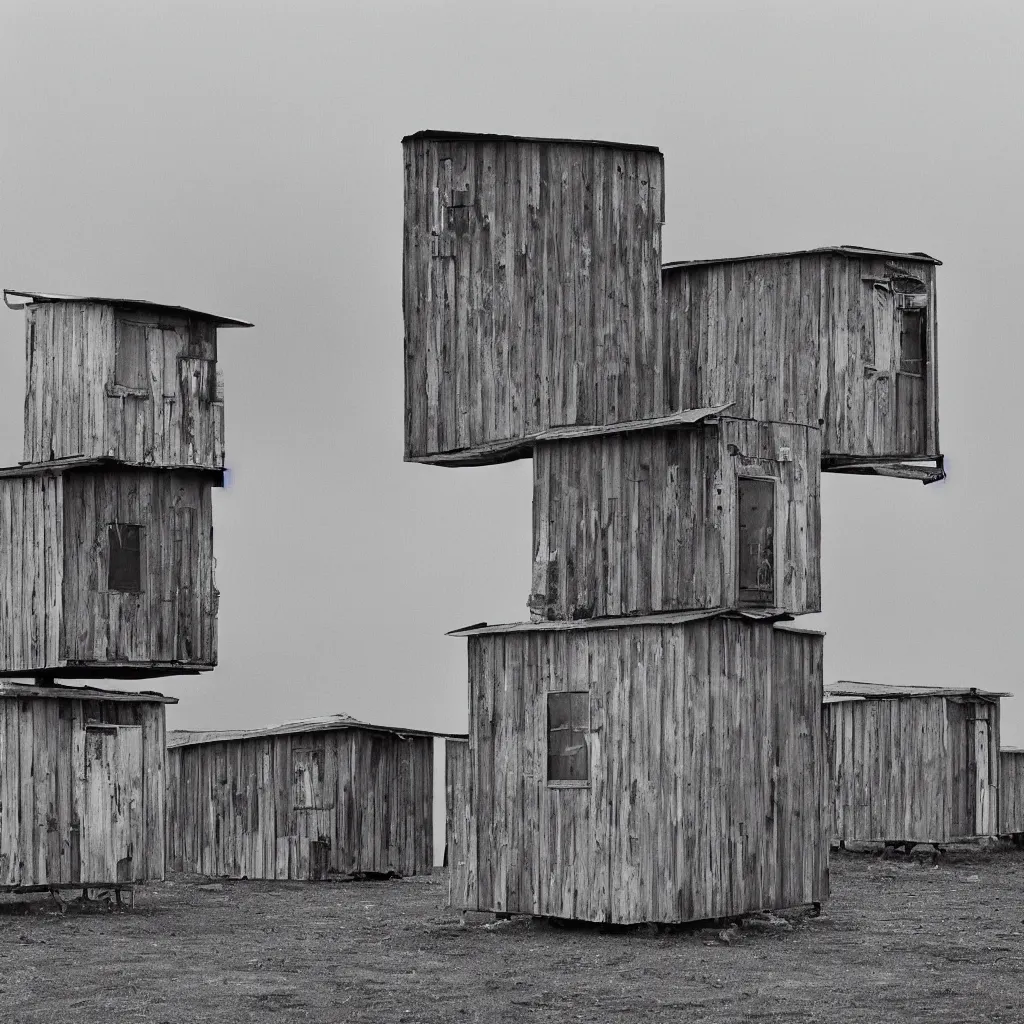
326,723
55,467
857,251
849,690
58,691
487,137
198,314
783,621
522,447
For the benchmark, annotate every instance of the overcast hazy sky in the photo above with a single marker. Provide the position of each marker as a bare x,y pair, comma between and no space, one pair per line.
244,158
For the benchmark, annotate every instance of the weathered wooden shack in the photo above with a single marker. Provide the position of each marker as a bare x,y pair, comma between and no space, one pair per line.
1011,792
121,378
912,764
307,800
81,787
531,289
721,513
663,768
840,337
106,570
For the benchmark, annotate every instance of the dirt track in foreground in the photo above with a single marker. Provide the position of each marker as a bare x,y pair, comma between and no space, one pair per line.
900,941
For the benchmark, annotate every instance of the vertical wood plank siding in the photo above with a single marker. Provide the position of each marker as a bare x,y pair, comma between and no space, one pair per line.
906,770
174,618
75,406
458,808
706,773
647,521
1011,792
237,808
43,789
531,288
31,571
803,339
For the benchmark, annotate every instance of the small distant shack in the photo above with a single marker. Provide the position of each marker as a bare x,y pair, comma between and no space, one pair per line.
306,800
1011,792
912,764
81,787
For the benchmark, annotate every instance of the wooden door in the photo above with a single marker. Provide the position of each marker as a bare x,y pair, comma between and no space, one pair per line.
984,812
197,390
912,383
457,818
112,819
312,811
756,529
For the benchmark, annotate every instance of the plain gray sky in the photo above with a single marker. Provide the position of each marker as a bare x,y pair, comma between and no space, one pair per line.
244,158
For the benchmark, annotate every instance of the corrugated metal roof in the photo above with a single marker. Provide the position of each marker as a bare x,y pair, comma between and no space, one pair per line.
488,137
325,723
841,250
221,321
58,691
58,466
522,447
850,690
781,620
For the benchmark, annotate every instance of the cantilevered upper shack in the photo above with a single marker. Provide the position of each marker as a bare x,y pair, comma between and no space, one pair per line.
839,337
531,289
536,305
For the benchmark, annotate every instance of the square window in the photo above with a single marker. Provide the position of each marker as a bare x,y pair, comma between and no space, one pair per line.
568,750
124,564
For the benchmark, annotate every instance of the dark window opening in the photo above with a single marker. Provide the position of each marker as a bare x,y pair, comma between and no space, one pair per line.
913,350
568,725
124,569
756,542
131,360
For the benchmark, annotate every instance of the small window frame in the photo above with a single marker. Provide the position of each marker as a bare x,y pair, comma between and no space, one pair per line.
140,385
775,597
113,530
583,730
922,314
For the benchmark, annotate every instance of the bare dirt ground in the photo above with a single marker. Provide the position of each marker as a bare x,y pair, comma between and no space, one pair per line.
901,940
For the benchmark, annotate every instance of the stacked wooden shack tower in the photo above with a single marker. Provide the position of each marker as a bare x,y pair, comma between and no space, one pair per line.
648,747
106,571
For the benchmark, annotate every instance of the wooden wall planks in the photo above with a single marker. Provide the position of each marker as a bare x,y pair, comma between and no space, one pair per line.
908,769
55,605
811,339
45,830
458,808
706,768
174,618
302,806
647,521
531,288
31,572
1011,792
167,408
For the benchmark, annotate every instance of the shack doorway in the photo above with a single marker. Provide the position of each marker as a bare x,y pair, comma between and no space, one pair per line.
113,819
980,738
